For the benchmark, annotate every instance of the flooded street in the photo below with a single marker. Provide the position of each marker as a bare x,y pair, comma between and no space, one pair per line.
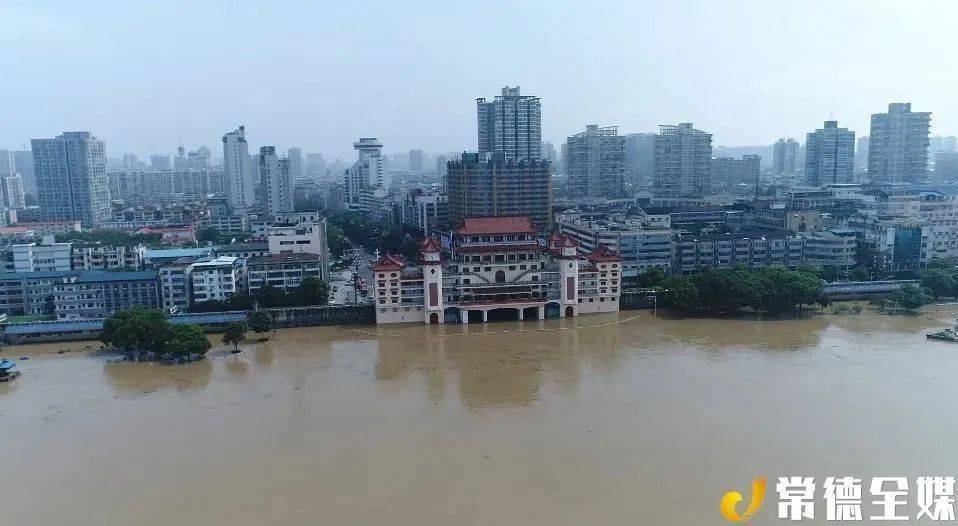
647,421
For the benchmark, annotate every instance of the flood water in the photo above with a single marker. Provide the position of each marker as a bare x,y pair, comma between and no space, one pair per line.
647,421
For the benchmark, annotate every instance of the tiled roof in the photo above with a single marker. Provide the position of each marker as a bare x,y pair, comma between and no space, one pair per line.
603,253
389,262
496,225
430,244
163,253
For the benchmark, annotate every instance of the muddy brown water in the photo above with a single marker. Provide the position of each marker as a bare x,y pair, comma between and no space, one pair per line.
647,421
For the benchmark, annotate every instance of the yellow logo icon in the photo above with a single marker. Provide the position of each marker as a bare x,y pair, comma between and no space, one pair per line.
731,499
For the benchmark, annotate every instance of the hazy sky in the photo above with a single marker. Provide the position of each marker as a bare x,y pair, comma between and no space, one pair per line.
319,74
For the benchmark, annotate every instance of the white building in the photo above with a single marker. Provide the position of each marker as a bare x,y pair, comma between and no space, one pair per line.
366,173
175,278
108,257
218,278
13,196
42,257
300,238
238,178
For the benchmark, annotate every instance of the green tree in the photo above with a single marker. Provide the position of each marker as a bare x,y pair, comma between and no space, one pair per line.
652,277
270,296
208,234
681,293
910,297
137,330
312,291
939,281
259,322
186,340
235,334
860,274
940,264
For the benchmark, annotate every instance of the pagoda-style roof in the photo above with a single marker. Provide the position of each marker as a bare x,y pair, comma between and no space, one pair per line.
430,244
389,262
603,254
496,225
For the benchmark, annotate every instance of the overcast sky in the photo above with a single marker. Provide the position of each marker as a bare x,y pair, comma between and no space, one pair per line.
319,74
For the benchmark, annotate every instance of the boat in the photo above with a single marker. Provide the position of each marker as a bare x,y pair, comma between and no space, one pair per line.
947,335
8,371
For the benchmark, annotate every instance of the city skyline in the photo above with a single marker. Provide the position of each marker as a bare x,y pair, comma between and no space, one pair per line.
580,81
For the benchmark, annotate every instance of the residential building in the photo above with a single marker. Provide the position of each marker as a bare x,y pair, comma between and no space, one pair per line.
683,160
302,237
226,225
175,278
831,248
898,145
441,161
497,268
511,124
415,161
238,168
277,187
861,154
496,187
52,228
425,212
71,178
95,294
284,271
160,162
108,257
730,174
31,293
785,156
946,166
218,278
295,158
13,195
41,257
596,162
243,250
753,250
157,257
830,155
639,247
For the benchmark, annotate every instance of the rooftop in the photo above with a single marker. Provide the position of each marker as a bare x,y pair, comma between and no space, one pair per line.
284,258
97,276
496,225
162,253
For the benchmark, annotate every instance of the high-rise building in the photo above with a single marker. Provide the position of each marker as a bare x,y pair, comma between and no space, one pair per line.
441,161
366,174
160,162
238,168
939,144
512,124
549,154
596,162
946,166
898,145
861,154
23,163
71,178
8,165
639,158
830,155
683,161
130,162
295,157
478,187
785,156
275,181
730,173
13,196
415,160
315,166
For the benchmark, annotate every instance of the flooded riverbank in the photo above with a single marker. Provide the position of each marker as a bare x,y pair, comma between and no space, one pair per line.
634,419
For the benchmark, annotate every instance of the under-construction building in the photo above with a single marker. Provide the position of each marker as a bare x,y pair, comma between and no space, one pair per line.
481,187
596,162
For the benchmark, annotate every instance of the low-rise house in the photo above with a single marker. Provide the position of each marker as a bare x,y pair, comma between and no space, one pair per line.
218,279
96,294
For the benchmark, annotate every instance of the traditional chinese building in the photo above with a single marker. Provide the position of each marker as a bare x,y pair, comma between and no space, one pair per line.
496,266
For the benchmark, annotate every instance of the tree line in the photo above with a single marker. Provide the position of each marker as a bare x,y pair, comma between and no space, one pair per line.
774,290
147,334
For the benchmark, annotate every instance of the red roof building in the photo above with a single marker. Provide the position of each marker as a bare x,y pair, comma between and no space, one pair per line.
496,225
389,262
602,254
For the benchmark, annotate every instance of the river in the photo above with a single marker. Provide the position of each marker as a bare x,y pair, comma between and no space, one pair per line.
628,419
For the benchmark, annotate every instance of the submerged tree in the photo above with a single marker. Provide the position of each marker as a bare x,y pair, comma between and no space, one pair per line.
259,322
235,334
